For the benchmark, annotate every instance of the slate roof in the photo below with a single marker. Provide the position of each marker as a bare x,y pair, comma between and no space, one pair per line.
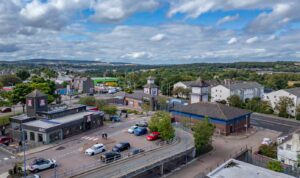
138,94
212,110
152,85
36,93
199,83
243,85
294,91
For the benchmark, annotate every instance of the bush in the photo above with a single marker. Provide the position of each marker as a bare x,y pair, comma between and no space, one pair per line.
4,120
275,166
130,111
88,100
268,150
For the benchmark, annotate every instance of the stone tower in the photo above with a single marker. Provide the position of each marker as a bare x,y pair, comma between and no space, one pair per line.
36,101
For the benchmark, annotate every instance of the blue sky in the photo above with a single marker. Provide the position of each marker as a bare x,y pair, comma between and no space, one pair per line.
150,31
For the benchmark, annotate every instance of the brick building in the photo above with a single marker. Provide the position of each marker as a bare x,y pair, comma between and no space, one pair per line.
226,119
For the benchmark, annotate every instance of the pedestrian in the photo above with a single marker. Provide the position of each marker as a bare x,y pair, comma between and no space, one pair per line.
106,136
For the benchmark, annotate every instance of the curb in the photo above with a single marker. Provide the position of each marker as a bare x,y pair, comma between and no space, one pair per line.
276,117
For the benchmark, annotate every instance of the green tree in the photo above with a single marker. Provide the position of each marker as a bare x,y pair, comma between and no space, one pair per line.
275,166
283,106
88,100
19,94
178,91
154,121
49,73
165,128
203,132
10,80
110,110
162,102
23,74
268,150
100,104
298,112
146,107
235,101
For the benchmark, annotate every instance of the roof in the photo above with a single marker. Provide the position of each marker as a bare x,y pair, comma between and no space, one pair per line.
243,85
212,110
138,94
150,85
294,91
36,93
46,124
234,169
199,83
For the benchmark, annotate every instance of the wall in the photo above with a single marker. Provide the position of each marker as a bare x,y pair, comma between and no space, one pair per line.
219,93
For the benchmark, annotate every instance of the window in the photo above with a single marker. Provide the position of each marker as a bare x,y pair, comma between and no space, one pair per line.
288,147
40,137
32,136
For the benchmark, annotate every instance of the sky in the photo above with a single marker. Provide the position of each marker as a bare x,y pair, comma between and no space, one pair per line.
151,31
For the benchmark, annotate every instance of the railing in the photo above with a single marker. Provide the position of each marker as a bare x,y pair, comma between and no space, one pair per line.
98,163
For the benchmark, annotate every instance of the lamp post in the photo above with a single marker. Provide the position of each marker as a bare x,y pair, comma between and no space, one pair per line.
24,148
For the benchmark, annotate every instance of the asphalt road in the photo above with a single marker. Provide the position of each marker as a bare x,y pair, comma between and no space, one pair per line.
285,126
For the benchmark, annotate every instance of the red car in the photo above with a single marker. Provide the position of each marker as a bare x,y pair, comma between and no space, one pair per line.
5,140
153,136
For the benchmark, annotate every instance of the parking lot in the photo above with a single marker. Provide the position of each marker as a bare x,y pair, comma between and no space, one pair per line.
71,156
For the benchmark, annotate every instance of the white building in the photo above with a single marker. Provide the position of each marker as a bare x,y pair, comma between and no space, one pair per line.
289,149
199,91
245,90
293,93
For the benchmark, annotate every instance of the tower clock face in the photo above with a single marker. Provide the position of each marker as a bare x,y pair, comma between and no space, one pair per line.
42,102
29,102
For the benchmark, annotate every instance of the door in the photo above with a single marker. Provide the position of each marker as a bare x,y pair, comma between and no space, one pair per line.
231,129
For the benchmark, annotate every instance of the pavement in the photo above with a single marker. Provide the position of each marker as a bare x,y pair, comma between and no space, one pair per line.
224,148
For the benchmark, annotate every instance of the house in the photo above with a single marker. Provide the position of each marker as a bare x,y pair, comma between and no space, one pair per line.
292,93
149,95
238,169
83,84
245,90
288,150
199,91
43,124
226,119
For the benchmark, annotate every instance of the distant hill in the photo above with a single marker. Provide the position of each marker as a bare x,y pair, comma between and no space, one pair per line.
58,61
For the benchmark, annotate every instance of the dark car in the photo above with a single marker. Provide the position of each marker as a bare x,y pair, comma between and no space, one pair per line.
140,131
5,140
115,119
5,109
122,146
142,124
136,151
110,156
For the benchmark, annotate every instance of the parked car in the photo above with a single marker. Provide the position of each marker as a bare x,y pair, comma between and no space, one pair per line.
112,91
140,131
95,149
42,164
122,146
153,136
142,124
115,118
266,141
132,128
110,156
5,140
136,151
33,176
5,109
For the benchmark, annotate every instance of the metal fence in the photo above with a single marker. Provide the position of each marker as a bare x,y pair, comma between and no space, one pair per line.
98,163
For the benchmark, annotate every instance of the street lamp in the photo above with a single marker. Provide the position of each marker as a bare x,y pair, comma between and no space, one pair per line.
24,148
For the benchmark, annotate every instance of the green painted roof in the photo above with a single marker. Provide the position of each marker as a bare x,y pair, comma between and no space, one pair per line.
104,79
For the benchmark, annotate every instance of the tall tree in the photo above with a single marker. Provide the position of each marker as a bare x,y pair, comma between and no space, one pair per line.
275,166
9,80
23,74
203,132
110,110
235,101
88,100
19,94
283,106
161,122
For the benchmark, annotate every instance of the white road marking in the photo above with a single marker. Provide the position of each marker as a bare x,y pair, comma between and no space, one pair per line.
6,158
95,139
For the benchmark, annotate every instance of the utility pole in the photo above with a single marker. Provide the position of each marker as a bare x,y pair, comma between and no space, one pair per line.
24,148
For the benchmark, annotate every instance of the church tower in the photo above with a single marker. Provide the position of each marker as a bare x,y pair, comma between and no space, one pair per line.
36,101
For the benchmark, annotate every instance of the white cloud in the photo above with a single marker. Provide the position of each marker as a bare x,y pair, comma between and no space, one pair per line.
282,11
116,10
157,37
252,40
232,41
137,55
228,19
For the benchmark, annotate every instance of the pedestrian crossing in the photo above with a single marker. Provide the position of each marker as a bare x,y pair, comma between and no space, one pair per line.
90,138
7,158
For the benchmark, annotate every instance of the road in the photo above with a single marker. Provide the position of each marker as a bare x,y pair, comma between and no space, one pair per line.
285,126
125,166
